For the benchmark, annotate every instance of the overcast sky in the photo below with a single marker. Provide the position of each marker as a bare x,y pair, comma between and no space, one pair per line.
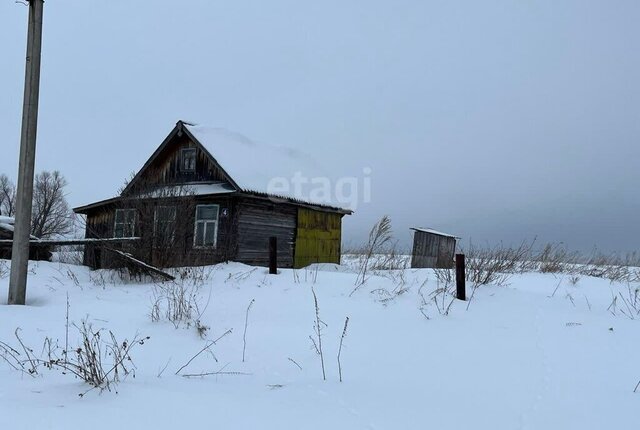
494,120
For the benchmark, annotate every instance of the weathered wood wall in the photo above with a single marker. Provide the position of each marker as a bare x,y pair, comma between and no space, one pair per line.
433,251
257,220
318,237
166,169
100,223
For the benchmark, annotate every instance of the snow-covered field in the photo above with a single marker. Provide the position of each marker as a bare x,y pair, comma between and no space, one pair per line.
545,352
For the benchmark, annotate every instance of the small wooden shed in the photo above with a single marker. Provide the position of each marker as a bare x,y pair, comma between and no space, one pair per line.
432,249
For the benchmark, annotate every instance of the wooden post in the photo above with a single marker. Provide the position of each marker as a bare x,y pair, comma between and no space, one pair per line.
460,281
273,255
22,228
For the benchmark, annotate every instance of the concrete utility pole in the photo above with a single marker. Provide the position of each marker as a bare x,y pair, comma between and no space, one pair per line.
22,228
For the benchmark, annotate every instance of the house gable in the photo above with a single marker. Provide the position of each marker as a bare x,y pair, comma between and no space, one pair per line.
166,165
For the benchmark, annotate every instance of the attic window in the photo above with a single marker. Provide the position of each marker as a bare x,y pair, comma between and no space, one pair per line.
188,160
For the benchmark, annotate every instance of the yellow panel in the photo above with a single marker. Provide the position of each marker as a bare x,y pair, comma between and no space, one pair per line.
318,237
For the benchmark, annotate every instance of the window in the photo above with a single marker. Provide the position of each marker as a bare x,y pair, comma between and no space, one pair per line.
206,230
188,160
164,228
125,223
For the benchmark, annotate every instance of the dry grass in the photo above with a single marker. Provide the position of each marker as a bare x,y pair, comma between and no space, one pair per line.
180,301
177,302
100,360
496,264
380,237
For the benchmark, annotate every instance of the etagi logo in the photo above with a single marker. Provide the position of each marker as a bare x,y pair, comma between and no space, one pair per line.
347,191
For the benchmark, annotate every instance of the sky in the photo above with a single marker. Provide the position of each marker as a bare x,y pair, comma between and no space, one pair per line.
496,121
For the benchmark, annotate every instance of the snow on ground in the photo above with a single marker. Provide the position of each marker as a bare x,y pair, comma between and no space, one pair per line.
521,357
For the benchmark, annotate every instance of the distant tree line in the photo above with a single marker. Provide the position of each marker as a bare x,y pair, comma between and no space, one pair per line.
50,215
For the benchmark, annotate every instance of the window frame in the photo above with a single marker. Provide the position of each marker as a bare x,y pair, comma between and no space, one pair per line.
182,160
170,240
205,222
124,223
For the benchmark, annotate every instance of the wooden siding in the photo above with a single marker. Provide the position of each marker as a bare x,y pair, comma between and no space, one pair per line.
99,224
257,220
166,168
181,252
318,237
432,251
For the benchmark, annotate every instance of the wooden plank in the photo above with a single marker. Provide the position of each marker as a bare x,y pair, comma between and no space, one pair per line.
61,242
273,255
258,220
141,264
318,237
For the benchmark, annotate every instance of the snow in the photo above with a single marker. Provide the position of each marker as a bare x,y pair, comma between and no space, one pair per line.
542,353
6,223
195,189
259,167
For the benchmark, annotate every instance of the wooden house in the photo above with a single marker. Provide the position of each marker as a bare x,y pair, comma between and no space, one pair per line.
208,195
433,249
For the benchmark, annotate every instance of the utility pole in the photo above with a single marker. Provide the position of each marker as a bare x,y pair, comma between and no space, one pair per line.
22,228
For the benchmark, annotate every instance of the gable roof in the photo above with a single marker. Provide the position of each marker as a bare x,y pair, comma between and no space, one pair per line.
255,167
248,166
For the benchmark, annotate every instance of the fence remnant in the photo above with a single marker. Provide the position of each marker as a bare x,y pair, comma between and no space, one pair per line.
460,277
273,255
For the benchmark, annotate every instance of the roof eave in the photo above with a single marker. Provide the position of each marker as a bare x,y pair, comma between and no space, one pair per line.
86,208
297,202
435,232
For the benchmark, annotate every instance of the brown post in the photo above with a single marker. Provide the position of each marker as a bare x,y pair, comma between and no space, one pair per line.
460,282
273,255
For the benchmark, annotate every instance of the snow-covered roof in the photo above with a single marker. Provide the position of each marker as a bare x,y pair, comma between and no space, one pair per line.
7,220
6,223
248,166
196,189
260,167
432,231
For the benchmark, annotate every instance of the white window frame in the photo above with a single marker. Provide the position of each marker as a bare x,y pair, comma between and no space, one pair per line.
173,220
207,224
182,160
124,223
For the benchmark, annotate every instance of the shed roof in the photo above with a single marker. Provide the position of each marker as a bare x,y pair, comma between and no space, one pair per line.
432,231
